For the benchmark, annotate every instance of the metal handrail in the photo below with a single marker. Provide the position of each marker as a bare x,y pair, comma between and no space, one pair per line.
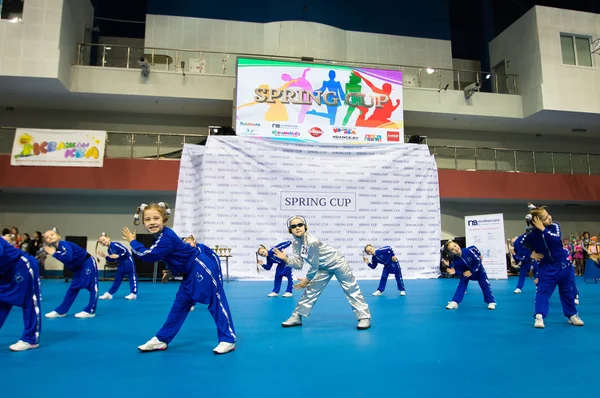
422,71
474,162
447,156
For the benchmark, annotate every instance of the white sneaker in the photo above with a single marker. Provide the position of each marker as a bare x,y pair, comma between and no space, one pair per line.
363,324
153,344
452,305
575,320
377,293
22,346
192,309
84,314
131,296
224,348
403,293
539,321
272,294
294,320
54,314
287,294
106,296
517,291
491,306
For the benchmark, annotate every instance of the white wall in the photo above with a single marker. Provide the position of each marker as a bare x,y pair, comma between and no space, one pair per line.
292,38
77,15
44,43
519,47
567,87
31,47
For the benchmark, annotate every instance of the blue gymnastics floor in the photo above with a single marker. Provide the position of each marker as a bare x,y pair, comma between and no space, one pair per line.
415,348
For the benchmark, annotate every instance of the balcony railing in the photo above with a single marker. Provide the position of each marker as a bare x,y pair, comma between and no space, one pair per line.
217,63
515,160
126,145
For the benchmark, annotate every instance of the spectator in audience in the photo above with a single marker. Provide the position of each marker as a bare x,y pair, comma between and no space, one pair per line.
25,243
578,257
17,238
36,249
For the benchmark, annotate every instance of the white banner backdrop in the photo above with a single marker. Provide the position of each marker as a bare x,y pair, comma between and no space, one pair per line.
189,192
247,188
487,233
78,148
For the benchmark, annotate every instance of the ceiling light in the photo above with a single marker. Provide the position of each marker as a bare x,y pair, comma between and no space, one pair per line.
430,71
488,76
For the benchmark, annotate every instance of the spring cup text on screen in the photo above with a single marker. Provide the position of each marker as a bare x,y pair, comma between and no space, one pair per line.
305,97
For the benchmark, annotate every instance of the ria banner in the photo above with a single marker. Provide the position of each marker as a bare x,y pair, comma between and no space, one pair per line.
37,147
246,188
320,103
487,233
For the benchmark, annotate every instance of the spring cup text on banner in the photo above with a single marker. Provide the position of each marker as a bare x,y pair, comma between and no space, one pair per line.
318,103
351,196
487,233
189,192
38,147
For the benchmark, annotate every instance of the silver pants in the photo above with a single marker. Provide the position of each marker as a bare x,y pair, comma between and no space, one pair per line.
348,283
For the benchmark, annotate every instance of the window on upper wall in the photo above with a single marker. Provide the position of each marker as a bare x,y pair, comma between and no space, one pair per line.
11,10
576,49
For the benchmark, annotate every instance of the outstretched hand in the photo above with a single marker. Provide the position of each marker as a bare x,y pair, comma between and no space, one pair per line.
128,235
279,254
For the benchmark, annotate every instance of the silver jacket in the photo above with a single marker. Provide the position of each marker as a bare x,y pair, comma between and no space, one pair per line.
317,254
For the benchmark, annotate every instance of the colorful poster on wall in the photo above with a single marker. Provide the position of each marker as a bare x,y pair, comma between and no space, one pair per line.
76,148
320,103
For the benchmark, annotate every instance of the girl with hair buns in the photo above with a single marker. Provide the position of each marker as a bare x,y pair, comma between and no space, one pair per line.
85,274
281,271
467,263
555,269
119,254
202,280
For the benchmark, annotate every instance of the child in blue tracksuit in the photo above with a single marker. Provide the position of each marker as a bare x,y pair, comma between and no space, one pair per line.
554,270
119,254
523,256
202,279
20,286
85,274
467,263
385,256
281,271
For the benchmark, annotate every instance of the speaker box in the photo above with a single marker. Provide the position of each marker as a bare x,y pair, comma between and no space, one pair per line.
80,241
145,269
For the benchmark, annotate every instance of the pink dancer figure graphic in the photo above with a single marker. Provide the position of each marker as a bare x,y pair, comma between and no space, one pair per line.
302,83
